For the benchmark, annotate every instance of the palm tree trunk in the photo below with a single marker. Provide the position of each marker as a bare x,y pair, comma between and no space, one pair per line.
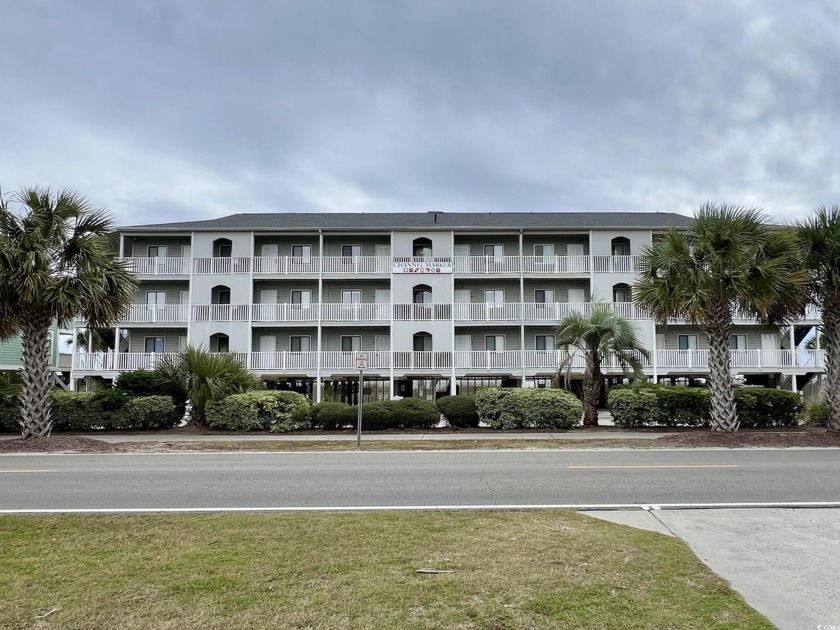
36,377
719,330
831,339
591,390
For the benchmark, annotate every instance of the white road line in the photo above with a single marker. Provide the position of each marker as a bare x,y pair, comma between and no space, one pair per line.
426,508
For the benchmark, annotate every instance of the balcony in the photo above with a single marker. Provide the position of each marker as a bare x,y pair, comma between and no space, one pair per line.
356,265
157,314
286,265
224,265
221,313
469,361
619,264
158,266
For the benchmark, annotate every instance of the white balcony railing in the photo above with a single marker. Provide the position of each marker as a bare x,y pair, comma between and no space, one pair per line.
556,264
287,265
356,265
237,264
156,314
619,264
422,312
487,312
158,266
487,264
221,312
355,312
285,312
466,361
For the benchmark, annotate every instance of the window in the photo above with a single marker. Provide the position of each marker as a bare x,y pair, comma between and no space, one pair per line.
301,343
222,248
738,342
351,343
219,343
421,248
157,251
494,296
687,342
422,342
494,343
494,251
422,294
155,344
302,251
351,296
621,293
220,295
545,251
544,296
545,342
351,250
621,246
156,297
304,296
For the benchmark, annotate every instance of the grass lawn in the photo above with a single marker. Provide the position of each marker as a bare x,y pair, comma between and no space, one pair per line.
512,570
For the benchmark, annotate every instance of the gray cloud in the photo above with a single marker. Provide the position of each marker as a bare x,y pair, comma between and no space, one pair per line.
180,110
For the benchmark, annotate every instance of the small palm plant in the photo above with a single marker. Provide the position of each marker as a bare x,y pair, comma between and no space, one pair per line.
730,260
57,262
599,336
819,238
198,376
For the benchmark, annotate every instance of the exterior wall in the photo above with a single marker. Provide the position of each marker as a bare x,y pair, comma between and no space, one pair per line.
560,288
560,241
478,336
333,243
331,337
173,291
671,334
139,248
333,289
478,287
171,336
283,336
403,243
284,289
284,243
477,243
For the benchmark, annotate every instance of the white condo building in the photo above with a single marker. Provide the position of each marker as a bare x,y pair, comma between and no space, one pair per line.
439,301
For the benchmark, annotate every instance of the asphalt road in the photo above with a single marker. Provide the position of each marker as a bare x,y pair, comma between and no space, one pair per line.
242,480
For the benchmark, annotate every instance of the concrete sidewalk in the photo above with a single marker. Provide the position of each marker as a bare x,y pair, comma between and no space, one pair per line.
782,561
368,437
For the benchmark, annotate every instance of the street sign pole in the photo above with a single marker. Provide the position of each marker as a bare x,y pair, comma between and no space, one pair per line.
361,365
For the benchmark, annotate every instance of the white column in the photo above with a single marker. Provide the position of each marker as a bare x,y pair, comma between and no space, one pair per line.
654,355
391,325
521,309
453,387
250,342
794,359
318,385
190,289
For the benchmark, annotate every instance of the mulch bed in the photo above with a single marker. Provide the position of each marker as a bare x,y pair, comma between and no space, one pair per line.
748,438
55,444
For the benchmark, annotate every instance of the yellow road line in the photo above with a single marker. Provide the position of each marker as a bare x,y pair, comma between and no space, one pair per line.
26,470
656,466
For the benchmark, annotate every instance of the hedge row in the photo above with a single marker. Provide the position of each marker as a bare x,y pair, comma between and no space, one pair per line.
459,411
104,410
277,411
513,408
659,405
407,413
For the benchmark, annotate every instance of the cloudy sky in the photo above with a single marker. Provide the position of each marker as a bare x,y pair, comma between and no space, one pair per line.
190,109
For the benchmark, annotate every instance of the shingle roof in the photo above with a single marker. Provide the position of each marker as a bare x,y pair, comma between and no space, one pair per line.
426,220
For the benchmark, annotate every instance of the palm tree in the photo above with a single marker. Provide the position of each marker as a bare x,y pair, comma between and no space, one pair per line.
199,376
819,238
598,336
729,260
57,262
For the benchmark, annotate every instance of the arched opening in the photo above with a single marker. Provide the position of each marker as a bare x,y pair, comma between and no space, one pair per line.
621,246
220,294
622,293
222,248
219,342
421,248
422,342
422,294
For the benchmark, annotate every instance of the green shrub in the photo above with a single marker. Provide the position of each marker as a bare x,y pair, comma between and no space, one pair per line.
416,413
258,411
459,411
333,415
816,412
511,408
768,407
152,412
110,399
379,416
10,409
633,408
691,406
138,383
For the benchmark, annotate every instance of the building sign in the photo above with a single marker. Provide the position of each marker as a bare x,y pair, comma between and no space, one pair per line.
361,361
423,266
